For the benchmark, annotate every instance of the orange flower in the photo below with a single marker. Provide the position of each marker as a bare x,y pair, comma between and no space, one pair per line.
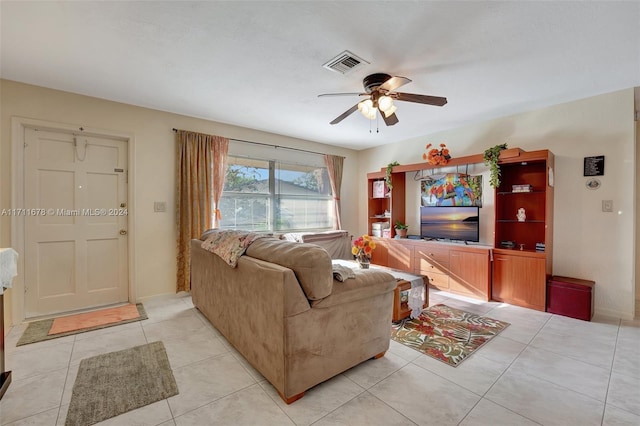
363,247
437,156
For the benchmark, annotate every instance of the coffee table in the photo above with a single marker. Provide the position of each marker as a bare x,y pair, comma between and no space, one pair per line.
401,309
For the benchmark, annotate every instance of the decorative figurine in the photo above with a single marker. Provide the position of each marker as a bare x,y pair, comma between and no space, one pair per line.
522,216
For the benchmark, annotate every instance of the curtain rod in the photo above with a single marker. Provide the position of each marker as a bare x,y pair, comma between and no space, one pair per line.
274,146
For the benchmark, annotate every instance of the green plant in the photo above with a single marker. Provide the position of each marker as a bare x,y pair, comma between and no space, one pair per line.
387,177
491,157
400,225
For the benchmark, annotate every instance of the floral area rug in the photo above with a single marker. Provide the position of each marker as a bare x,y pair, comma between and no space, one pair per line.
446,334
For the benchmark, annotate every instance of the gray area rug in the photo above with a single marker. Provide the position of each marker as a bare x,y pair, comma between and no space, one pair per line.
37,331
111,384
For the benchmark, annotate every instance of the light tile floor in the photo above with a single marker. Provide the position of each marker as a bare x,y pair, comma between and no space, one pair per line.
543,369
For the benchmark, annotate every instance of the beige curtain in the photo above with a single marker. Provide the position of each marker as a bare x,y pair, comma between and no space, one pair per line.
334,167
220,151
195,187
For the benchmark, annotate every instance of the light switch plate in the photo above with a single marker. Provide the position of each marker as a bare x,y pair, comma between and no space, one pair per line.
607,206
160,206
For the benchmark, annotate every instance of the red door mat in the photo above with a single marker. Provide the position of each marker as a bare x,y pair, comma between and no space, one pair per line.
94,319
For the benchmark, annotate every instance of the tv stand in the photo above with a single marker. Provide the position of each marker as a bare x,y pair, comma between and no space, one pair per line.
448,266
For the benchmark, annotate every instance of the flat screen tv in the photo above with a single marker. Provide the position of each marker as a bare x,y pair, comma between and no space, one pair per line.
450,223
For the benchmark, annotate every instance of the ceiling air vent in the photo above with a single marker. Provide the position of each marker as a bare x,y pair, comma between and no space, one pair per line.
345,62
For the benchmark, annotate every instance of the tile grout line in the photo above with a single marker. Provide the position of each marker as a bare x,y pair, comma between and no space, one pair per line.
483,396
64,386
613,360
384,402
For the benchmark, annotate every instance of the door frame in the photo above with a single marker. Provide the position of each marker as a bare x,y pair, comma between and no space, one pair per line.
18,126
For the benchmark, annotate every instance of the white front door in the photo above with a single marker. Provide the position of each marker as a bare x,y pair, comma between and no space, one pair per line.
75,192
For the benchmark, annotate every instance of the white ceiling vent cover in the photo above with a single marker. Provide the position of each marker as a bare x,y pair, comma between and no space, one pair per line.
345,62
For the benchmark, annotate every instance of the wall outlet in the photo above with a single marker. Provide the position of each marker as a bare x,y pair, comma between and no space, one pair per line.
607,206
160,206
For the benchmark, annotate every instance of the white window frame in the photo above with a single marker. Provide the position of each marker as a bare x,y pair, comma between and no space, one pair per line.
274,197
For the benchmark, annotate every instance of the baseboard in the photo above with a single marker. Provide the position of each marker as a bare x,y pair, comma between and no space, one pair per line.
610,313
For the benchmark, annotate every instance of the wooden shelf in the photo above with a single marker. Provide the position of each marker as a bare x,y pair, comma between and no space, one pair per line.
518,221
521,193
519,276
457,161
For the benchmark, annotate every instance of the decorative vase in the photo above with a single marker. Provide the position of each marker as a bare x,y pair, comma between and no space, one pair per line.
364,262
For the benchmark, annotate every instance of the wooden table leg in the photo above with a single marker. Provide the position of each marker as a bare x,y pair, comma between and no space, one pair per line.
5,376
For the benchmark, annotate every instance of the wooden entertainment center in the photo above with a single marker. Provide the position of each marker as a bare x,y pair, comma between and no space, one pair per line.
511,270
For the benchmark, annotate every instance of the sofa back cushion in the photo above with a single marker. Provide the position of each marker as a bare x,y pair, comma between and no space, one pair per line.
311,264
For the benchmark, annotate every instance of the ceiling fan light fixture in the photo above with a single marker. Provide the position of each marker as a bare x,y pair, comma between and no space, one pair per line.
389,111
385,102
372,114
366,108
366,104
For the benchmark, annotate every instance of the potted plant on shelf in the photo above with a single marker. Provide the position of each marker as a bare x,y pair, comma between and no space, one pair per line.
491,157
401,229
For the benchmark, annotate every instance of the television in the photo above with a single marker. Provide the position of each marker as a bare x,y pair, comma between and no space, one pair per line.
450,223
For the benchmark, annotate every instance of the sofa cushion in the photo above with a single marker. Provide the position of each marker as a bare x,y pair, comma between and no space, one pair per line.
367,283
336,243
310,263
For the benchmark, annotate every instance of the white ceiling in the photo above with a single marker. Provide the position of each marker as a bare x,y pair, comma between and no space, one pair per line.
259,64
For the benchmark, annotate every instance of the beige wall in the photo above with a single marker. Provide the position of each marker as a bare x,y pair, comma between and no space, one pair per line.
588,243
154,159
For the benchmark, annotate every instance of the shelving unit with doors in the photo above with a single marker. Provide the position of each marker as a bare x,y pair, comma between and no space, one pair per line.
520,270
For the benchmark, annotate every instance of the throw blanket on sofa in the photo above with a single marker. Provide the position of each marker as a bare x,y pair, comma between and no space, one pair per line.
230,245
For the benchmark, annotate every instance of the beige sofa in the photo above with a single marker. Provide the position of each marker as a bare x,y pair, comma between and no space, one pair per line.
283,311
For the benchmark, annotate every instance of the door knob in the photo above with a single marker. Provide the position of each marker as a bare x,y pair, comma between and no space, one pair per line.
123,232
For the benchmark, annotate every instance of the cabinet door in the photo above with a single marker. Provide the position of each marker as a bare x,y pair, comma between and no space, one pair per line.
501,289
530,288
380,255
400,256
520,280
469,273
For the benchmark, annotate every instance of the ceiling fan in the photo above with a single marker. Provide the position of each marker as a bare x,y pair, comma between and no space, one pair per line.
379,91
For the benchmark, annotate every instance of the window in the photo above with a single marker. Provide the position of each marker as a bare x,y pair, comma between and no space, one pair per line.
265,195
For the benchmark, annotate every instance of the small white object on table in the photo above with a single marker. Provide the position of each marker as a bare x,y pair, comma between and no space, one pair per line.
417,294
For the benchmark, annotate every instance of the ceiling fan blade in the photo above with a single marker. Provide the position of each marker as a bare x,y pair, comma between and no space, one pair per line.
324,95
394,82
345,114
420,99
390,120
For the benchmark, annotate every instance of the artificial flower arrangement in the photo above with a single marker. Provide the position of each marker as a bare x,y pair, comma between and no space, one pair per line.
435,156
362,248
